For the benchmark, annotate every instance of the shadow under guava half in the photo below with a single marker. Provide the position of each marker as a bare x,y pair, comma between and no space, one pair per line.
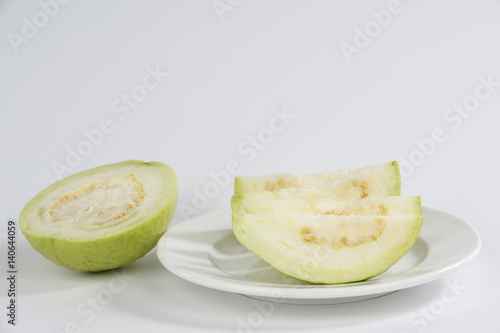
38,275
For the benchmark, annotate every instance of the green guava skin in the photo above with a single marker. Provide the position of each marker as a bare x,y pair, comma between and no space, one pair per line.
109,249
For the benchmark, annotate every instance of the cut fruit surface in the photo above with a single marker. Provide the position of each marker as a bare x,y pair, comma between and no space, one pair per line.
102,218
375,181
275,182
327,248
395,205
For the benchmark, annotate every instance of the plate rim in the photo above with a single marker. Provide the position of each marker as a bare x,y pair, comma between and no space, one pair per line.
312,291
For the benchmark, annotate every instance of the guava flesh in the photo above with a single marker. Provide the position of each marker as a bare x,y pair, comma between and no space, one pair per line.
276,182
327,249
391,205
375,181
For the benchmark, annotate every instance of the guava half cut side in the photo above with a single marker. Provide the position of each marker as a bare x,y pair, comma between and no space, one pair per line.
275,182
377,181
328,249
392,205
102,218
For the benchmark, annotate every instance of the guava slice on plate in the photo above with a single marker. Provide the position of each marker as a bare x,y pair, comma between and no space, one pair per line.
102,218
376,181
327,249
275,182
393,205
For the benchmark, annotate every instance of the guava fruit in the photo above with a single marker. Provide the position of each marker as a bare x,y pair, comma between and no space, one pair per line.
327,249
394,205
275,182
102,218
373,181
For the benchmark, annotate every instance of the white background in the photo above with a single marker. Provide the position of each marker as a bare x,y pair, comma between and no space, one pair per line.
228,69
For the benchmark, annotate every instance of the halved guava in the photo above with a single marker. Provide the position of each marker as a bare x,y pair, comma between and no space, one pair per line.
102,218
374,181
327,249
394,205
275,182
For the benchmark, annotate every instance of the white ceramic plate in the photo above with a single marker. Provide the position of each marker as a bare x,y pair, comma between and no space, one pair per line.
203,250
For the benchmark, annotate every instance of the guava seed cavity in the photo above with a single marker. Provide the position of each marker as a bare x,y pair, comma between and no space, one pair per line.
99,203
348,234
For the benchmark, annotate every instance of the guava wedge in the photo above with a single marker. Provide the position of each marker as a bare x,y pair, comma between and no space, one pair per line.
102,218
375,181
394,205
327,249
275,182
